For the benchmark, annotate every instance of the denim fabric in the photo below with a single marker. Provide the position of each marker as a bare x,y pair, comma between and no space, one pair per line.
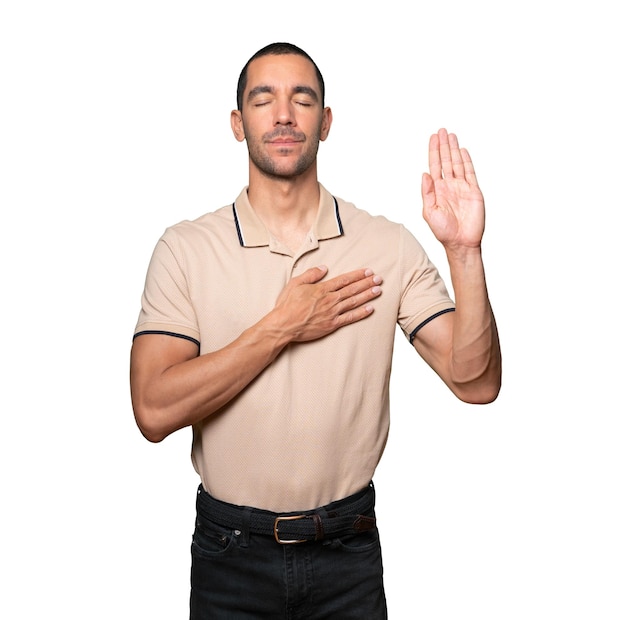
241,576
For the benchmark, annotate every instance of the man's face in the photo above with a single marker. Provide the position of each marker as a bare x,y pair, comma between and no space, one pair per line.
282,118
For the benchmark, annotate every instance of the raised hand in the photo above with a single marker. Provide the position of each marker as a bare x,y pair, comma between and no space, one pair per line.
454,207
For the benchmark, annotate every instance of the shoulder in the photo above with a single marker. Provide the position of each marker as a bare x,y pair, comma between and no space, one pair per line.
189,232
359,221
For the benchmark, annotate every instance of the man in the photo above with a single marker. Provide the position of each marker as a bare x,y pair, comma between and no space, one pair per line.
268,327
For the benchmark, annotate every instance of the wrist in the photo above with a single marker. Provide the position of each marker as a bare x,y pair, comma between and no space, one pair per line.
463,253
275,330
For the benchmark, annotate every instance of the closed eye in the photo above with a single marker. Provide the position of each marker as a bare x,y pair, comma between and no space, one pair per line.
306,93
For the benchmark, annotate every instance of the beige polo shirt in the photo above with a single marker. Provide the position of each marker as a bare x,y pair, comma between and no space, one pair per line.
311,427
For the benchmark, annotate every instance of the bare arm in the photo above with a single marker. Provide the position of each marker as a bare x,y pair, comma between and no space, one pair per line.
172,387
462,347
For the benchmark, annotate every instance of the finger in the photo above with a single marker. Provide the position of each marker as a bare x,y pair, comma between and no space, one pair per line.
428,190
357,293
346,279
434,158
356,307
470,173
458,169
352,316
312,275
444,154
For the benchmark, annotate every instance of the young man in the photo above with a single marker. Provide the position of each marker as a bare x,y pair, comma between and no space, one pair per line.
268,326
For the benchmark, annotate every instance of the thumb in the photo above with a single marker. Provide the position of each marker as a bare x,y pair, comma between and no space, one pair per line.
428,192
315,274
427,186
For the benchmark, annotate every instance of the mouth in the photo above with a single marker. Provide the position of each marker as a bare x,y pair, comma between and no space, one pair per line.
284,138
285,141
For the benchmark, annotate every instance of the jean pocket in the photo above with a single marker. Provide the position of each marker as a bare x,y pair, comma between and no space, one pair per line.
211,539
358,543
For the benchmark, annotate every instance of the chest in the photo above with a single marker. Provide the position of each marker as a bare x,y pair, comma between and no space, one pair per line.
233,288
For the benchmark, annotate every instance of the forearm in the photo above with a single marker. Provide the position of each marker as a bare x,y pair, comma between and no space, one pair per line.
188,391
173,387
475,361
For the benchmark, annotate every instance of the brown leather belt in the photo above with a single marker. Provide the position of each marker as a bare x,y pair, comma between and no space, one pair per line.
352,515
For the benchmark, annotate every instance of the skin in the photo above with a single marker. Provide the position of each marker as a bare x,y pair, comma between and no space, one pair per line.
462,347
283,121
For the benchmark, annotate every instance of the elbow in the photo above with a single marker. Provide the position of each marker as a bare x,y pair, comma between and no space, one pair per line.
475,370
481,390
148,423
152,436
483,395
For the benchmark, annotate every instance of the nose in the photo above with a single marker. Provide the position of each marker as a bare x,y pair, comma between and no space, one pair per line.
284,112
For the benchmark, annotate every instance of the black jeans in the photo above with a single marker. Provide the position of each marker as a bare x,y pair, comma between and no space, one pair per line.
238,575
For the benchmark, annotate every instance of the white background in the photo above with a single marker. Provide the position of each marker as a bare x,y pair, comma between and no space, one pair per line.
114,124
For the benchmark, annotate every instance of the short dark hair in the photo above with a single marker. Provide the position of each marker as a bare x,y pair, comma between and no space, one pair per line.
275,49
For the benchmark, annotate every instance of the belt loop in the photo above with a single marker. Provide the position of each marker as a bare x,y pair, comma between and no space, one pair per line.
322,512
319,526
245,526
319,514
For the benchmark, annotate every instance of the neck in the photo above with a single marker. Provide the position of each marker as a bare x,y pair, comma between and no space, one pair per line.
287,206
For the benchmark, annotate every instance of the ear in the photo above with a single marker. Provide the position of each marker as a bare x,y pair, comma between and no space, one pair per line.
327,121
236,124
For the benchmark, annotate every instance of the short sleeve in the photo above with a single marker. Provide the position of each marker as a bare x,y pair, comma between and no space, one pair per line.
166,305
424,293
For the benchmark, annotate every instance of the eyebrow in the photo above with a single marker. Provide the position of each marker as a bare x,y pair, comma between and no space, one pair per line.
304,90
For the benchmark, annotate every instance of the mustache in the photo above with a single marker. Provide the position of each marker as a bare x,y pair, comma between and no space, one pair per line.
284,132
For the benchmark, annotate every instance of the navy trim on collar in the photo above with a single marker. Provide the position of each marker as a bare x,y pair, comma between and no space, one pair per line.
339,224
241,243
240,233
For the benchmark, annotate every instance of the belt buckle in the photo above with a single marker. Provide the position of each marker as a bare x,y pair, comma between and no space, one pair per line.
281,541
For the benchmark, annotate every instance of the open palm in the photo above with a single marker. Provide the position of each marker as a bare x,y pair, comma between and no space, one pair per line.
454,207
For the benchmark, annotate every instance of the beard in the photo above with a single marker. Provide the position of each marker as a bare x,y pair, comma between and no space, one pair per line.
283,167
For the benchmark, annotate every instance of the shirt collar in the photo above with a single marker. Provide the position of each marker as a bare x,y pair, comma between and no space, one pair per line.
252,232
